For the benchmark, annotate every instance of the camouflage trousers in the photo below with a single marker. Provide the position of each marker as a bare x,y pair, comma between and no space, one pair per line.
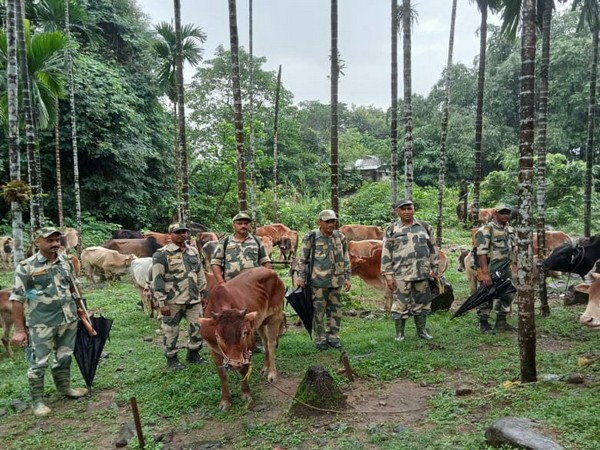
500,305
170,326
411,298
328,313
44,341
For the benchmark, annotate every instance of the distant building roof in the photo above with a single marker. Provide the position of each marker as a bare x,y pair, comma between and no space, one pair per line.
368,163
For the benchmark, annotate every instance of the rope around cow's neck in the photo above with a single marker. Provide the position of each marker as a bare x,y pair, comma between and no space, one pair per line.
246,354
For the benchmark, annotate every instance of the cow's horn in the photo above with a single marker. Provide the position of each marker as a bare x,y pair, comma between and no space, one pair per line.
243,312
216,315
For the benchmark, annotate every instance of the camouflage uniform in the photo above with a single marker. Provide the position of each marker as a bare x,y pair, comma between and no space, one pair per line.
239,256
499,244
331,268
409,257
43,287
179,282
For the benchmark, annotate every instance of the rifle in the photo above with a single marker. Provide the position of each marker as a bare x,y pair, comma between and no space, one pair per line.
82,311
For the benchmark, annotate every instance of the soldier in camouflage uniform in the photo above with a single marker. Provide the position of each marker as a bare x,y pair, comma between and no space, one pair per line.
408,260
45,316
496,249
179,285
243,251
326,249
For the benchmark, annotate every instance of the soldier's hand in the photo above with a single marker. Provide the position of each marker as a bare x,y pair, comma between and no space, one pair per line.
487,280
20,338
165,310
300,282
347,285
391,284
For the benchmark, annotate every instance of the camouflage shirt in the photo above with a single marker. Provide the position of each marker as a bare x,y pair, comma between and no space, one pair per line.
408,252
498,242
238,256
178,275
331,263
44,289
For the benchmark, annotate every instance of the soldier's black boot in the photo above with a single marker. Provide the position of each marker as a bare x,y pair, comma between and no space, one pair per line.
173,364
400,323
485,327
194,357
503,325
62,380
421,322
36,386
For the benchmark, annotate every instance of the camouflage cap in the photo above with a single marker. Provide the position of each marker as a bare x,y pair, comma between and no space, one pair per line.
403,202
46,232
242,215
502,207
327,214
175,227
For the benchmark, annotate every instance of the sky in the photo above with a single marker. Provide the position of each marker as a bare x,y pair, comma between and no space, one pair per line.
296,34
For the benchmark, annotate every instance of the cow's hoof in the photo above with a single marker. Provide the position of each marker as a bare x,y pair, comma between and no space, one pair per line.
224,406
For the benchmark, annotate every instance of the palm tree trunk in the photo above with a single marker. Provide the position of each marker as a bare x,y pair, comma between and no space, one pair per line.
444,135
408,142
14,154
479,112
587,199
525,286
185,184
542,126
251,114
237,105
335,72
394,107
76,186
59,196
33,161
275,140
177,160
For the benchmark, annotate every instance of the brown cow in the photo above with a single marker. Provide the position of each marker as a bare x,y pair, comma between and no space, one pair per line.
591,316
288,246
364,248
6,319
141,248
275,231
252,301
69,239
361,232
553,238
127,234
267,243
109,262
6,249
162,239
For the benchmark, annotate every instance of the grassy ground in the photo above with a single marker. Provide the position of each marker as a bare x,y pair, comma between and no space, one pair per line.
181,409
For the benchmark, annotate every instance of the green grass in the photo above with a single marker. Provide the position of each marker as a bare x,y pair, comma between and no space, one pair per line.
187,402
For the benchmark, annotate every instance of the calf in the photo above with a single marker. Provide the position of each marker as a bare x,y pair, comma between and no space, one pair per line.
6,319
250,302
142,248
361,232
6,250
591,316
109,262
141,274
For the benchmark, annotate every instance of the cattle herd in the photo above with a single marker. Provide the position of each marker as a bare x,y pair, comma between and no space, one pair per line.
253,301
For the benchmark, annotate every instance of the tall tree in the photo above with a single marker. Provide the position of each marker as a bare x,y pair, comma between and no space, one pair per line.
185,183
237,105
275,143
525,282
444,133
165,47
590,16
407,16
33,157
335,73
394,107
14,153
251,114
484,6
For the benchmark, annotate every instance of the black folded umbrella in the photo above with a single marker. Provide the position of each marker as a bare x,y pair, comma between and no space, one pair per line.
483,294
301,301
88,349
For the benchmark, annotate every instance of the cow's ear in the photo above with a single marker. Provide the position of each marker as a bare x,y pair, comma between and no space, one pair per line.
205,321
583,287
595,275
251,315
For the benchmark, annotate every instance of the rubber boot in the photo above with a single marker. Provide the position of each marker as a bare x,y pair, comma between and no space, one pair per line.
485,327
62,380
194,357
173,364
503,325
420,322
400,323
36,386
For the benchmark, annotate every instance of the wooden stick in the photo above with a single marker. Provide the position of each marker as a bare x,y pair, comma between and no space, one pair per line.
138,423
